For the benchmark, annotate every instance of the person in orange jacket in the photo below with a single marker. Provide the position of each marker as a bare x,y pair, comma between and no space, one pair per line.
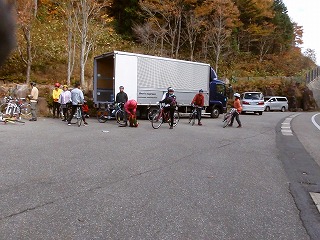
198,101
238,107
131,107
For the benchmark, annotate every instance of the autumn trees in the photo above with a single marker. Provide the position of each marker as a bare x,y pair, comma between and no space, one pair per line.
214,28
232,35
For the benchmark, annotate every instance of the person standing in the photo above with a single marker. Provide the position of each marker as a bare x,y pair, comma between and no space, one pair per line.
65,102
169,99
77,99
198,101
238,107
33,101
122,98
55,95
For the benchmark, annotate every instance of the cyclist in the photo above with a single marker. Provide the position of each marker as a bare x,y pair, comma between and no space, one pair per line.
77,98
238,107
198,101
169,99
122,97
130,108
55,95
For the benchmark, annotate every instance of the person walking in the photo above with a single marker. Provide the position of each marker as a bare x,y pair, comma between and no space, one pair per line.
33,101
198,101
238,107
65,102
77,99
56,95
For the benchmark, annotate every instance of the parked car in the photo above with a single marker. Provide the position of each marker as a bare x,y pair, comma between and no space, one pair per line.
275,103
252,102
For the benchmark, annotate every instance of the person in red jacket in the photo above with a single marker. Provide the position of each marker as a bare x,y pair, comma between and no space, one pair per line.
198,102
131,107
236,105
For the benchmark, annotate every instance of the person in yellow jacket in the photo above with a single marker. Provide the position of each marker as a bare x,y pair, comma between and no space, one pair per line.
236,105
56,95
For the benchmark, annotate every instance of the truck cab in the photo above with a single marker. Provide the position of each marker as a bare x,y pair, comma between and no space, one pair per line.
217,96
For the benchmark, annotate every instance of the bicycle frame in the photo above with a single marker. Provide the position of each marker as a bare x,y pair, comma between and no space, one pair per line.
227,117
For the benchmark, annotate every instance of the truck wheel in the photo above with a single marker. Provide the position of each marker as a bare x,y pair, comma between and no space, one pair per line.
215,112
151,112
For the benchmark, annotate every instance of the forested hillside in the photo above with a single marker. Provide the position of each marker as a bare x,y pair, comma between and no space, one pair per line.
57,40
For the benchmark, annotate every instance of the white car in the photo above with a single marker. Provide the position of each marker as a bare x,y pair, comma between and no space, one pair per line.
252,102
275,103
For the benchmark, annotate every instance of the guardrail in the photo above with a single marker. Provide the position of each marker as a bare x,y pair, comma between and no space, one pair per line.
313,74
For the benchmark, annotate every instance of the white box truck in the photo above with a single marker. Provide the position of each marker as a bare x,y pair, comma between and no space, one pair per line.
146,78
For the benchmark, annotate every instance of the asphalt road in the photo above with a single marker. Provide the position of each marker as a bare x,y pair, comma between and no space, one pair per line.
105,182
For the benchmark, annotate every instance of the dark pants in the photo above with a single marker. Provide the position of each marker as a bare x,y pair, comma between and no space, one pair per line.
199,109
56,107
235,115
171,112
73,111
33,106
65,108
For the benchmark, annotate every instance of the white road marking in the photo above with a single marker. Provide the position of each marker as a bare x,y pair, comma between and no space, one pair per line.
314,121
286,126
316,199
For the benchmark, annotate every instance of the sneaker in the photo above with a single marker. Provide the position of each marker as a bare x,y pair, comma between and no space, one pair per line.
85,123
230,125
239,126
171,127
200,124
69,124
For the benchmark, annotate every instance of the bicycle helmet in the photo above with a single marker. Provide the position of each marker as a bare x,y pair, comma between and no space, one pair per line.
236,95
170,89
57,85
200,91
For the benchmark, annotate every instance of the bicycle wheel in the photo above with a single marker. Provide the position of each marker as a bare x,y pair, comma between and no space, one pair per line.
79,117
227,121
157,119
193,119
25,111
176,118
120,117
102,115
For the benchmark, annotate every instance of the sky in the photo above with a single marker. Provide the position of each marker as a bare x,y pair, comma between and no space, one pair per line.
306,13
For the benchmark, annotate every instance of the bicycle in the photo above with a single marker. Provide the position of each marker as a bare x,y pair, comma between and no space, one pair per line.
104,114
120,114
227,117
161,116
193,115
79,115
15,108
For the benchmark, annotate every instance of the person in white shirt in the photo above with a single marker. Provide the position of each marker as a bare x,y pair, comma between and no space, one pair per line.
33,101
